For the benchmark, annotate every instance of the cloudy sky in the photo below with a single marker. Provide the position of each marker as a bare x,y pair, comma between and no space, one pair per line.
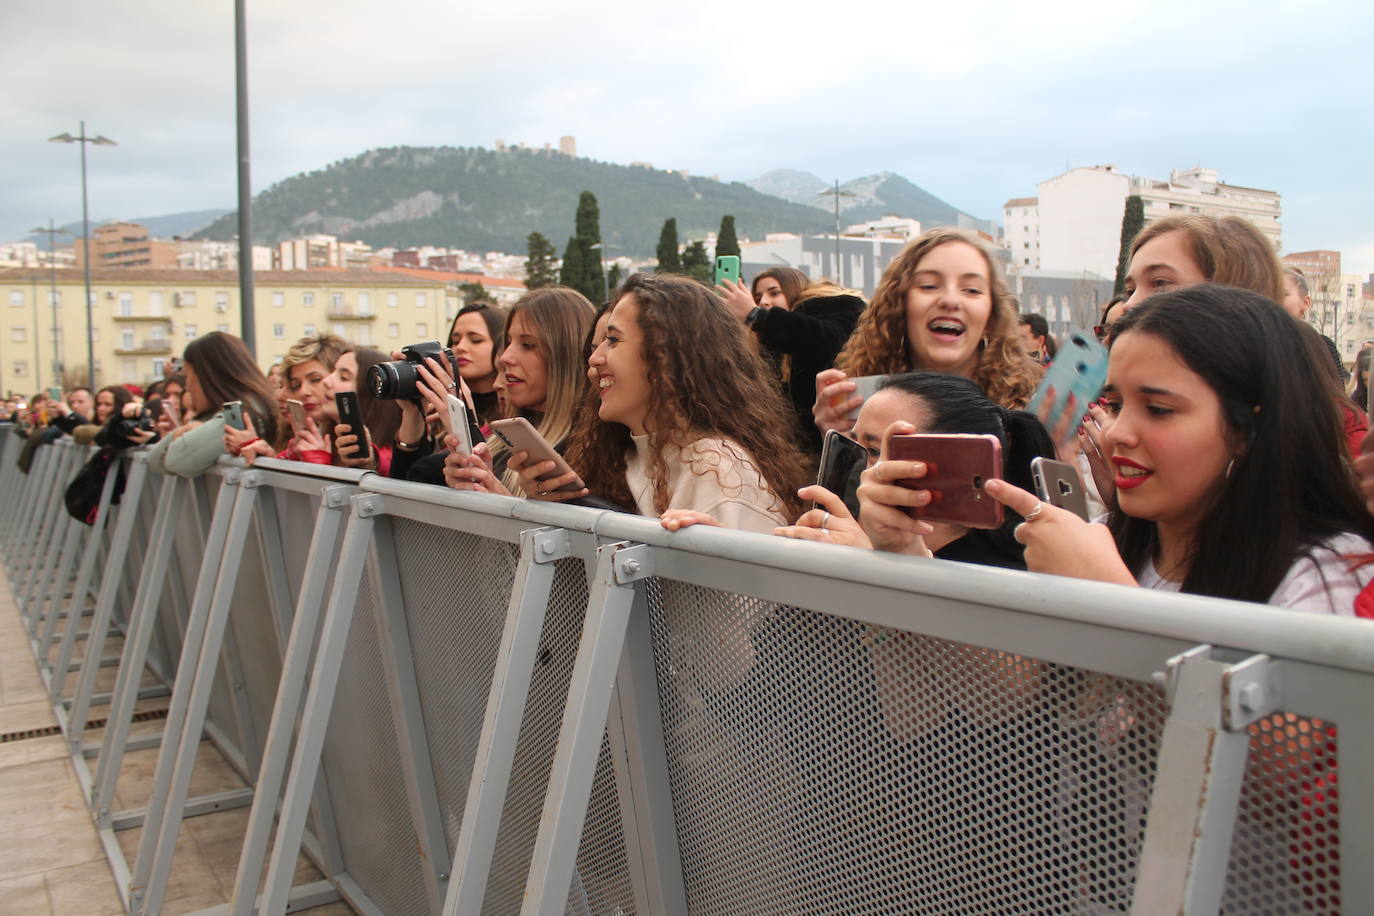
975,101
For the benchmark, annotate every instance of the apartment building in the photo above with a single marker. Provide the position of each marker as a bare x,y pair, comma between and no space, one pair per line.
142,318
1341,309
1075,219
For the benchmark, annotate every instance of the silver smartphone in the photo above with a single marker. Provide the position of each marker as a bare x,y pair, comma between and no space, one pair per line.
233,414
1059,484
458,423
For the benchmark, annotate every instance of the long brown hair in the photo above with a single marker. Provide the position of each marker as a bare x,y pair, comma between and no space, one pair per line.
704,382
1229,251
227,372
790,280
879,345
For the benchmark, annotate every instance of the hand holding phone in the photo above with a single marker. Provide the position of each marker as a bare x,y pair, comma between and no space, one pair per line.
520,436
233,414
842,461
957,467
351,413
1059,484
296,410
727,269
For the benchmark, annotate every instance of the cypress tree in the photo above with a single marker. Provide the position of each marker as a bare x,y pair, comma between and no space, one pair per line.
726,242
696,263
592,282
1132,221
571,274
539,266
613,277
668,260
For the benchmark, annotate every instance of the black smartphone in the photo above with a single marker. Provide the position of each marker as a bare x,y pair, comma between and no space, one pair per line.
351,412
842,461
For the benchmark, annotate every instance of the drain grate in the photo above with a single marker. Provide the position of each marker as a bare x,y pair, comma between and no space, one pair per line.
48,731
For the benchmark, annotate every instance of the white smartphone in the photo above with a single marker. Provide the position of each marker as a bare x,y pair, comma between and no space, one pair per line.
865,386
169,411
458,423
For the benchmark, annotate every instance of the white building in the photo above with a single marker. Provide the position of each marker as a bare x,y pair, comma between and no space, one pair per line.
888,227
861,260
1075,220
210,255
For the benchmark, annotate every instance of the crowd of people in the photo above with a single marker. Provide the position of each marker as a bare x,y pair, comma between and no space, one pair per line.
1226,455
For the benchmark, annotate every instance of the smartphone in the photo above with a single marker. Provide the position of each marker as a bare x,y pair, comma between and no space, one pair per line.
55,393
842,461
957,466
233,414
865,386
1060,484
297,411
519,435
458,423
1080,369
727,268
169,410
351,412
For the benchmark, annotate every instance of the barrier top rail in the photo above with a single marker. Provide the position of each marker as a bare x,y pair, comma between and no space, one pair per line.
1323,639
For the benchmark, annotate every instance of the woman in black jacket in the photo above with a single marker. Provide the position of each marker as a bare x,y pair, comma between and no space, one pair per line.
801,326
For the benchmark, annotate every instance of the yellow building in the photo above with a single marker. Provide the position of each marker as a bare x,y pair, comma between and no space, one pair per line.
142,318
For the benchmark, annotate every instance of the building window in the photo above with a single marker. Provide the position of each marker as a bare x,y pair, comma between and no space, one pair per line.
309,330
421,329
339,330
55,335
18,335
421,300
1027,262
126,304
222,328
278,299
159,368
1025,244
308,300
336,300
16,297
393,330
155,303
392,300
126,340
278,331
21,367
191,332
188,298
95,335
363,337
54,298
364,303
128,369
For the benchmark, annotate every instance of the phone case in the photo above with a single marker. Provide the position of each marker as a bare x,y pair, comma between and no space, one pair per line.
1079,368
956,467
842,461
458,423
519,435
727,268
1059,484
297,411
233,414
169,410
351,412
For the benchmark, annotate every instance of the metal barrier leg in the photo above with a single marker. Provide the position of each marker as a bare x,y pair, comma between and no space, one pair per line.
319,700
42,554
618,568
141,619
110,582
1197,787
196,673
540,548
35,491
296,663
71,546
84,576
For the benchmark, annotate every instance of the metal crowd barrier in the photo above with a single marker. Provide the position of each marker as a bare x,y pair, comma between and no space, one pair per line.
457,703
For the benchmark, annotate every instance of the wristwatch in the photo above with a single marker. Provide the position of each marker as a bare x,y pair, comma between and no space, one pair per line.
755,316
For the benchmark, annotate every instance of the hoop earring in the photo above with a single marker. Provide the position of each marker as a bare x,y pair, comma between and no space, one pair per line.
983,344
1229,466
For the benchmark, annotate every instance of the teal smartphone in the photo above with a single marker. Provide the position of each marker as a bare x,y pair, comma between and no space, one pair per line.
727,268
1080,369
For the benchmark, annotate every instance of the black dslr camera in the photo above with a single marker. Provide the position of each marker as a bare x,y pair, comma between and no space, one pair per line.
396,380
121,430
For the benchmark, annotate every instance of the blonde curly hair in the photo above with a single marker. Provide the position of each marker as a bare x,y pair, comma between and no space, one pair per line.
879,343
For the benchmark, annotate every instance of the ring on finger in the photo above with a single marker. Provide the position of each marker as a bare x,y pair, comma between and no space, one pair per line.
1035,513
450,387
825,520
1016,534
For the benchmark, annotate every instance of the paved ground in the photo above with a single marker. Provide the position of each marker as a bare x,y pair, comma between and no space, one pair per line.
50,858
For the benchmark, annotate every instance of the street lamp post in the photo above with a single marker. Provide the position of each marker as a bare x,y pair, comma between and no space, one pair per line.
52,232
86,238
838,194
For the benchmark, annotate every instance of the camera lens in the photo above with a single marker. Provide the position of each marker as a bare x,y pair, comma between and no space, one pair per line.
392,381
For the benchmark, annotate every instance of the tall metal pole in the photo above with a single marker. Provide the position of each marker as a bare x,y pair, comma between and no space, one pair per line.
86,249
838,271
248,321
52,297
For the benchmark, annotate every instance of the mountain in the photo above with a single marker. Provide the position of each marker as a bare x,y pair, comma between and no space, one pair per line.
485,200
873,196
159,227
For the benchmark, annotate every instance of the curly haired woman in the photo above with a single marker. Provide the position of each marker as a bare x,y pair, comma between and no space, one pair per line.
940,307
685,422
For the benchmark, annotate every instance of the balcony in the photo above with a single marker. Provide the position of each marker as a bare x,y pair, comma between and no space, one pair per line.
152,346
166,319
349,313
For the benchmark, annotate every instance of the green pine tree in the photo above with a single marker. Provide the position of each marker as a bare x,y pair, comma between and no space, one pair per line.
472,292
726,242
1132,221
613,278
592,282
571,273
669,261
696,263
540,269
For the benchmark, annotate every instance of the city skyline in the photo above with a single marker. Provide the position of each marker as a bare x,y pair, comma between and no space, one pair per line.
975,106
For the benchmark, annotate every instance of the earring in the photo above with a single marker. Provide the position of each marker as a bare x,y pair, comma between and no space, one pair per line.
1230,464
983,344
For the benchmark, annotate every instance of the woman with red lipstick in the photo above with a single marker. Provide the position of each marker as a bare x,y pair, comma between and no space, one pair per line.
473,336
940,307
305,367
1229,468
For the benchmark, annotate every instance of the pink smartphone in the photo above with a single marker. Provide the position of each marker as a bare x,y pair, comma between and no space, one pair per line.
956,468
297,411
520,436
